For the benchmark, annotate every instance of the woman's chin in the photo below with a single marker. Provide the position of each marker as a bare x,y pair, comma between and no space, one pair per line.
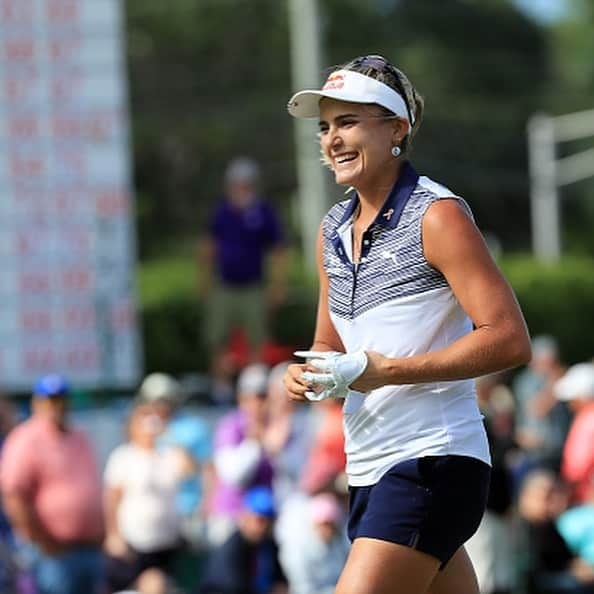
343,179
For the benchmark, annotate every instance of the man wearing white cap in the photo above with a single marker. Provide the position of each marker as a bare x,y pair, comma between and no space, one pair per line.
184,430
577,467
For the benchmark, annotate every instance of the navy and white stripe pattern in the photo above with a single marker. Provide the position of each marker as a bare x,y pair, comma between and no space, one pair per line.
392,263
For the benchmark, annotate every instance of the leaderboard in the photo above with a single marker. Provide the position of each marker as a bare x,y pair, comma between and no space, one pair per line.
67,242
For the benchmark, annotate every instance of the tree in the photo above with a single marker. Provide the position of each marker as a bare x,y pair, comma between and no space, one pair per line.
572,89
483,69
210,79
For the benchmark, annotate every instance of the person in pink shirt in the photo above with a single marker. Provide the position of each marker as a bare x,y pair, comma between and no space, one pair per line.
577,465
52,494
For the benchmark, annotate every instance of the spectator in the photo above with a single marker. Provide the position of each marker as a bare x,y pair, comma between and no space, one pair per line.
541,420
186,431
7,423
8,566
577,388
191,433
549,565
576,526
240,459
52,494
247,562
243,230
326,461
490,547
143,527
288,435
313,558
496,403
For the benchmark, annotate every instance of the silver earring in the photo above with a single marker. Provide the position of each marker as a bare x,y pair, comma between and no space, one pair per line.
396,150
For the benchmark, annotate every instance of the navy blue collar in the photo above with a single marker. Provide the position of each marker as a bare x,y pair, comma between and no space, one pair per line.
390,212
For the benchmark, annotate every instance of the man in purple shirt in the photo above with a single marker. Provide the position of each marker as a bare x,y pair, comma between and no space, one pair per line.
244,230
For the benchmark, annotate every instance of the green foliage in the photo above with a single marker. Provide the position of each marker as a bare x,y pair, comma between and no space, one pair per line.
572,47
572,89
172,313
482,68
557,300
210,78
166,280
171,336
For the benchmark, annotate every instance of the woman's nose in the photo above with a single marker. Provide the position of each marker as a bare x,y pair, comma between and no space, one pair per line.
333,138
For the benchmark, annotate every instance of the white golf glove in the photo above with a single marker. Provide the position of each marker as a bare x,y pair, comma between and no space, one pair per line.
339,371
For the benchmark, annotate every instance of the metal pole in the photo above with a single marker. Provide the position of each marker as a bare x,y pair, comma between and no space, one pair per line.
544,198
305,71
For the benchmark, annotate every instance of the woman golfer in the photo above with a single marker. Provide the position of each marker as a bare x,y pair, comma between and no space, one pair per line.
411,308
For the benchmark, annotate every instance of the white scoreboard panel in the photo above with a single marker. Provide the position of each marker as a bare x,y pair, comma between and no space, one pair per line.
67,242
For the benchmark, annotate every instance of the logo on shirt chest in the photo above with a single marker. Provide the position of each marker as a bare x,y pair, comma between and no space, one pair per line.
390,255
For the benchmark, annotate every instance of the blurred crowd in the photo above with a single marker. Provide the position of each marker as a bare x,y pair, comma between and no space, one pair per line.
255,501
250,503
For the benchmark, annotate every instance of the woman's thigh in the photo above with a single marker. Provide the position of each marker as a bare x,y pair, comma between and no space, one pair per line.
381,567
457,577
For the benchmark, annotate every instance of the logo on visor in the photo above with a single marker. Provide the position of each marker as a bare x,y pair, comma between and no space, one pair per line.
335,81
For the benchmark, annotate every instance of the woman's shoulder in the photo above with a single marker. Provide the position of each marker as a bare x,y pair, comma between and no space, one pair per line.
434,189
429,191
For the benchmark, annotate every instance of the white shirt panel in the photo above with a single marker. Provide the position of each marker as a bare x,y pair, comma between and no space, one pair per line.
397,423
395,303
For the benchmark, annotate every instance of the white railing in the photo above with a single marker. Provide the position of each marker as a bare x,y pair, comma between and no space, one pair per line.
548,174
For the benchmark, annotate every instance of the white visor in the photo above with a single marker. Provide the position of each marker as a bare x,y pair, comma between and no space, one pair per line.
346,85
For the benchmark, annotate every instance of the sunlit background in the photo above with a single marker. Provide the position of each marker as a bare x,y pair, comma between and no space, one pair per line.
118,121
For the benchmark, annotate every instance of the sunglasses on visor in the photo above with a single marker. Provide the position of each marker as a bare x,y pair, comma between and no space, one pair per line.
382,66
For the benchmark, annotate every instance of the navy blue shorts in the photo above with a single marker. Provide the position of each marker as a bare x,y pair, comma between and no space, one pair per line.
433,504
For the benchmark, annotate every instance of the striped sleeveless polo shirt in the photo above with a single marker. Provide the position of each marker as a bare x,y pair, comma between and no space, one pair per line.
394,302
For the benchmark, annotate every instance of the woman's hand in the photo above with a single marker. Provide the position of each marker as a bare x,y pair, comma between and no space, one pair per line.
328,374
295,385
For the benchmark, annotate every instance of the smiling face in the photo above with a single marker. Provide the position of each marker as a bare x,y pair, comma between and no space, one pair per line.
356,139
